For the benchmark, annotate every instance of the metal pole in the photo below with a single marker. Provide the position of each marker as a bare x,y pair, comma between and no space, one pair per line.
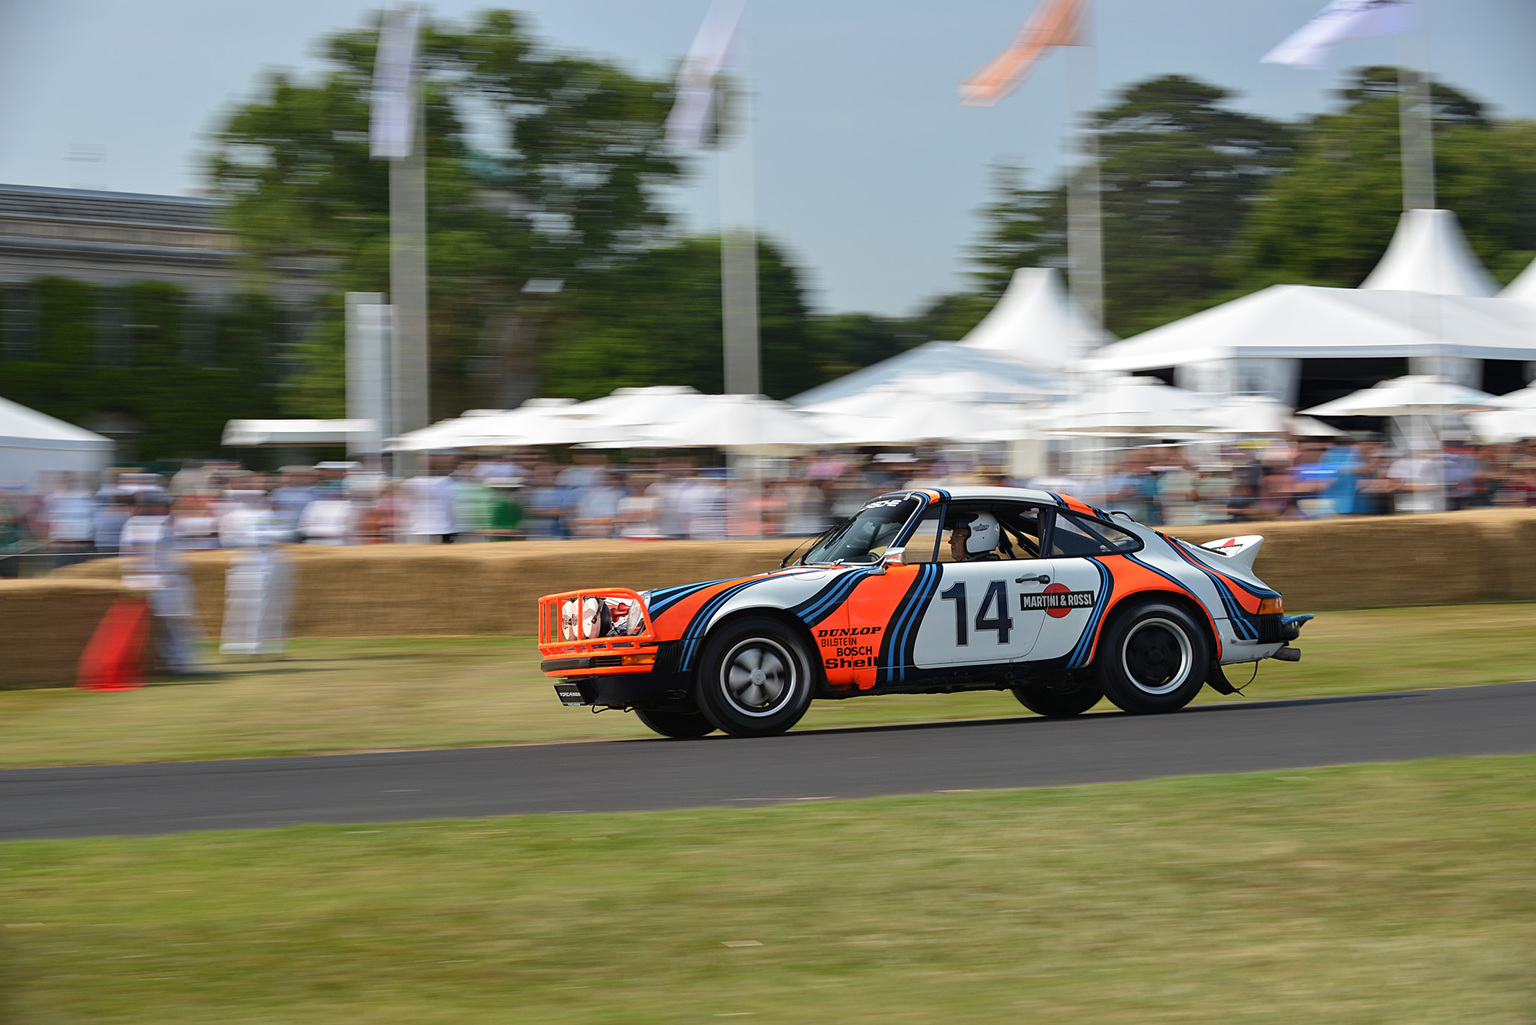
409,368
738,291
1085,233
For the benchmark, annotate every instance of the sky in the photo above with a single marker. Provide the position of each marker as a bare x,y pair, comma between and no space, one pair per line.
866,168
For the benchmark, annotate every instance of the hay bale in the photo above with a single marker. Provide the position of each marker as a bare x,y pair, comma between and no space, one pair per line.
44,627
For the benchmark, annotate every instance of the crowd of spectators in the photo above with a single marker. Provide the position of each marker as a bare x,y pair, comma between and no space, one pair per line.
585,494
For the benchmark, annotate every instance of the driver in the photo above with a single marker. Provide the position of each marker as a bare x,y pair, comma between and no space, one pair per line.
973,536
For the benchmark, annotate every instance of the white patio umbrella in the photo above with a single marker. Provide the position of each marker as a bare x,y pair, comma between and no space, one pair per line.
1501,426
543,421
1525,398
441,436
737,422
656,404
1414,395
1131,406
1255,415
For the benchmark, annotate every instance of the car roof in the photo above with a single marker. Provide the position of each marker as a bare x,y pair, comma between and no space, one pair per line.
970,493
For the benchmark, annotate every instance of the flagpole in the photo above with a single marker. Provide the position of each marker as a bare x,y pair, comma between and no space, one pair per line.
1416,130
1085,222
741,356
408,291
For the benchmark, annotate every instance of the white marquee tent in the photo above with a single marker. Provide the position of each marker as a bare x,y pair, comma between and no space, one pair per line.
1428,299
1024,346
1036,322
33,443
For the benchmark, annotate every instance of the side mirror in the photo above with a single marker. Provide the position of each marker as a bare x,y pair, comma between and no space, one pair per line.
893,557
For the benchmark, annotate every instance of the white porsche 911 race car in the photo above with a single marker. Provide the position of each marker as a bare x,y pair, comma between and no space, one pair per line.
929,591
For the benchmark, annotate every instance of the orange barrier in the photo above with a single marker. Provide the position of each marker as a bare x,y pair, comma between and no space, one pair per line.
116,655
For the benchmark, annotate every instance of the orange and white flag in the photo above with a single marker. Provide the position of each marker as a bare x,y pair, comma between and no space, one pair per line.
1053,23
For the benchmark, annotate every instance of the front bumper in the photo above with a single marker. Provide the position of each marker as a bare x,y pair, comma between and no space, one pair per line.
629,690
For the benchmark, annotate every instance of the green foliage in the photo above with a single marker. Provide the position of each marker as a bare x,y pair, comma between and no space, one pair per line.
1178,175
658,321
1202,204
572,191
150,371
1330,218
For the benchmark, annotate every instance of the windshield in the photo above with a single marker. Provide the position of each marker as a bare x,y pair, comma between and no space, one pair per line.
864,538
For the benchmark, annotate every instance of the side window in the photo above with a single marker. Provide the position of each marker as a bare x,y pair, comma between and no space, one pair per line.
1077,535
924,540
1017,535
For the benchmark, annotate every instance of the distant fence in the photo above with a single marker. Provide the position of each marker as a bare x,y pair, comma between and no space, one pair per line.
410,590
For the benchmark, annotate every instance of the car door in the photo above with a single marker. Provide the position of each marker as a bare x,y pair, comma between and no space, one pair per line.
1074,597
983,612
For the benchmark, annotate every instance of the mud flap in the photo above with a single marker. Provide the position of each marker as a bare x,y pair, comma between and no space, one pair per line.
1218,679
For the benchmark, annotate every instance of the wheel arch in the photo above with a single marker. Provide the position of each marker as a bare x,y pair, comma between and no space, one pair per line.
783,616
1193,606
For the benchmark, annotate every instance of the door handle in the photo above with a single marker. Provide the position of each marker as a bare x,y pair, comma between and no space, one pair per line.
1041,579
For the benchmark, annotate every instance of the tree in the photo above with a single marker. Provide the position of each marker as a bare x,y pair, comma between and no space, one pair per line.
572,191
659,323
1178,174
1329,219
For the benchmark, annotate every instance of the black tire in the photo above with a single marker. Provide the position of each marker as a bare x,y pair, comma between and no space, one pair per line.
1059,699
1152,658
678,723
754,677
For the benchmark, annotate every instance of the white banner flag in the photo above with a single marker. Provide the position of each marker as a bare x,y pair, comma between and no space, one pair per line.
394,76
691,122
1308,46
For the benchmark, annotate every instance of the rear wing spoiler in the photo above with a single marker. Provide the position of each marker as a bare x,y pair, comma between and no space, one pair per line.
1240,550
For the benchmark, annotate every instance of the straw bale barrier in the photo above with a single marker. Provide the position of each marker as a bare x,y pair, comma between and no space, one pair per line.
44,626
410,590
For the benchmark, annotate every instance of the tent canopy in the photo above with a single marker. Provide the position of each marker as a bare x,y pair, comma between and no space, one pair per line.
33,443
1429,254
1036,322
1310,321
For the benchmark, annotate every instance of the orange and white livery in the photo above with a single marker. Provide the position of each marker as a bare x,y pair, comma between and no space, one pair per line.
929,591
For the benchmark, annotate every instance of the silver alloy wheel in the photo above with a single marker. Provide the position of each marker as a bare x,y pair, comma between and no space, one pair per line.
758,675
1157,655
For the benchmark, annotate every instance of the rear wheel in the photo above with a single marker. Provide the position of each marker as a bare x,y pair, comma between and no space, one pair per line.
1153,658
754,677
1059,699
673,722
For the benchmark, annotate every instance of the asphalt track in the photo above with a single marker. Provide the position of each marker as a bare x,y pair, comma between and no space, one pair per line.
801,766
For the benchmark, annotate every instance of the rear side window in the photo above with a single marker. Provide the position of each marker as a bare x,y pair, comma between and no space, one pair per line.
1078,535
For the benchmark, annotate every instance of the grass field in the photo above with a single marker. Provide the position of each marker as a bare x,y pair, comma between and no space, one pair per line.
357,695
1364,894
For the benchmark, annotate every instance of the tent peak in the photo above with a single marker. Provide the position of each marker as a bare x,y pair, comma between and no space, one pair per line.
1523,288
1428,253
1036,322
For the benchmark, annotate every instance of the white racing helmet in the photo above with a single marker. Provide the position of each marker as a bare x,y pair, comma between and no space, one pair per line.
985,531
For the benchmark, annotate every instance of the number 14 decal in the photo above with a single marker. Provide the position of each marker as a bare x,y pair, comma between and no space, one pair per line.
996,599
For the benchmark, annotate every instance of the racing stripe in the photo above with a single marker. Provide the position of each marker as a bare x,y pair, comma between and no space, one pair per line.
701,620
663,598
1194,560
826,601
1079,654
1241,619
1241,626
896,648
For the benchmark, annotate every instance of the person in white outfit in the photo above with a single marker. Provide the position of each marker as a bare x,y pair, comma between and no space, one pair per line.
152,564
258,587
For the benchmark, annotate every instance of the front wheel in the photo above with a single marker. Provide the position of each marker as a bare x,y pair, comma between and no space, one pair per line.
1153,658
680,724
754,678
1059,700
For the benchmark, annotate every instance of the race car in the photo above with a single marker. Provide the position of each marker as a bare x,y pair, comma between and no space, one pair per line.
928,591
